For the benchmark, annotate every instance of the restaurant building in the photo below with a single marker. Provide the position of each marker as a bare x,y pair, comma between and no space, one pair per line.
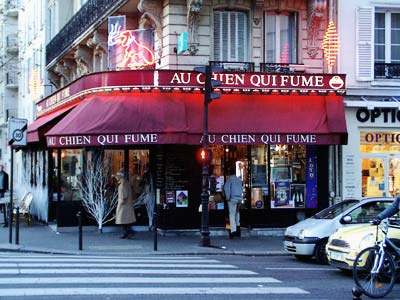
278,122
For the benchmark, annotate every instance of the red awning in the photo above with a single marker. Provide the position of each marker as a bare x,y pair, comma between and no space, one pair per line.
43,123
158,118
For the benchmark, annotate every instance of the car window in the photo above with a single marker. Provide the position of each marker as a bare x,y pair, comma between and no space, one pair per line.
335,210
367,211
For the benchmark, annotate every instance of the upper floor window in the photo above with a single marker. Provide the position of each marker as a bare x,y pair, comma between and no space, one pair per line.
387,44
280,37
230,36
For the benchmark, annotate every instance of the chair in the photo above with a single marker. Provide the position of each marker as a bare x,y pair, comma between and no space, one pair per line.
24,208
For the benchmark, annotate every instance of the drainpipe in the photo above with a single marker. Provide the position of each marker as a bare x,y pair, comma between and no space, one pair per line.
333,152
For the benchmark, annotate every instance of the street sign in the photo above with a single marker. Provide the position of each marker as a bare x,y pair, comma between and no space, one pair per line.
17,131
183,42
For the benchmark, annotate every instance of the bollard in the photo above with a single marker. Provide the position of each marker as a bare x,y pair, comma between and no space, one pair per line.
17,225
357,293
10,222
79,216
155,225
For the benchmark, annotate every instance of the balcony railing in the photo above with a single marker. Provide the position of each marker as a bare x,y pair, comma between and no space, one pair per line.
387,71
281,68
234,66
11,79
12,42
93,12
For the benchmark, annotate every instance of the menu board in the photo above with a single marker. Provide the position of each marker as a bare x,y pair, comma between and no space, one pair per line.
172,175
175,166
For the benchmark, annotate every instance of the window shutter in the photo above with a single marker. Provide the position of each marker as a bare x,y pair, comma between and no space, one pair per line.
365,44
230,36
242,37
217,36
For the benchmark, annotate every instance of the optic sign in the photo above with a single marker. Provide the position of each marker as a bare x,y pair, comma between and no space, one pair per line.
130,49
17,131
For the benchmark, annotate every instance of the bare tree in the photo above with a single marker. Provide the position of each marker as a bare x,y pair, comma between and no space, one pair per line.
98,198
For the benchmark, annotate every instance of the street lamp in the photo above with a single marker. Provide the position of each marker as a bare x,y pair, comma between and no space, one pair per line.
209,84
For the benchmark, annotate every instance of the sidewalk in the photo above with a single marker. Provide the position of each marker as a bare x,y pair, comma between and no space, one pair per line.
41,238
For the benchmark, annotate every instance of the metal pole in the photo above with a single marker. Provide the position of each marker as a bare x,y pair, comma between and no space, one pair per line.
205,232
79,215
17,225
155,225
10,208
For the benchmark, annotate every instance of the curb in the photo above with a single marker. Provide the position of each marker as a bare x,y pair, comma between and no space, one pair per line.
22,249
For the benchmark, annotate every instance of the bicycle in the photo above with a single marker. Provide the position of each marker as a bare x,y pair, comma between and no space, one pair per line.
375,268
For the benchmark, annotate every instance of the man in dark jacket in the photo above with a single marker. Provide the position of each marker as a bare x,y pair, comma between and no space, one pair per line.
3,189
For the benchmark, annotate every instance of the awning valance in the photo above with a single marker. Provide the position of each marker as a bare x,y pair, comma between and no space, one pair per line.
43,123
126,119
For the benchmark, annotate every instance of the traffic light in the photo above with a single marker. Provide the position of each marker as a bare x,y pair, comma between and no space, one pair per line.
210,83
204,155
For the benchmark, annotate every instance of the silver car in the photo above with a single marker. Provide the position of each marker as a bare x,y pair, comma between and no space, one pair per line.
308,238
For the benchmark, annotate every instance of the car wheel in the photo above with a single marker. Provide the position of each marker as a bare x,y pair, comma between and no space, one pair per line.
320,252
303,257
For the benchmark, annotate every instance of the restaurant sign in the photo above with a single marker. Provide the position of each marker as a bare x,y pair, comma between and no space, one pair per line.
143,81
193,139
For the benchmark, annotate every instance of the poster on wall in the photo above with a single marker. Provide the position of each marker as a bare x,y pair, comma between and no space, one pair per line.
298,194
170,197
182,198
281,195
311,178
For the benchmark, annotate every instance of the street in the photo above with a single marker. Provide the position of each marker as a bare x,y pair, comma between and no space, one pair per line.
59,277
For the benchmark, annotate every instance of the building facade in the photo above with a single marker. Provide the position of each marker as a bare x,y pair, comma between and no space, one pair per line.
9,73
126,89
371,158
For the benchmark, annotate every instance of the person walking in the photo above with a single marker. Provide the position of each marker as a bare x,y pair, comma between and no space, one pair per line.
3,181
233,189
125,214
3,190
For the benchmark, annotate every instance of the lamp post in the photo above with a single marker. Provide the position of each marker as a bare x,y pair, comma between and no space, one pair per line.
208,97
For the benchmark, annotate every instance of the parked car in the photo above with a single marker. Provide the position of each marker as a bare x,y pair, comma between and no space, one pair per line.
344,245
308,238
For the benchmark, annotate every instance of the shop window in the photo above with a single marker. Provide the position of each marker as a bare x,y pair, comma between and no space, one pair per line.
71,170
115,159
138,160
280,37
387,44
380,163
230,36
274,176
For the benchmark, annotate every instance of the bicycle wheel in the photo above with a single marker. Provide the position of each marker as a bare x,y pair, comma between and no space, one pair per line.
377,284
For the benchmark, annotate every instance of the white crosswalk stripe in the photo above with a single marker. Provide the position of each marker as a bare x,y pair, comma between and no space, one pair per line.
61,275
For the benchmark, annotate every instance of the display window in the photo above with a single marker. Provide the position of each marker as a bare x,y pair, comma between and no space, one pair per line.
274,176
380,164
71,168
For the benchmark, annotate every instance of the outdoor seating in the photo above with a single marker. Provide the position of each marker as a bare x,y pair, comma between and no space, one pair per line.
24,206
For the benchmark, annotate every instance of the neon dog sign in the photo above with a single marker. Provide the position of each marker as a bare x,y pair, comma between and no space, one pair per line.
132,48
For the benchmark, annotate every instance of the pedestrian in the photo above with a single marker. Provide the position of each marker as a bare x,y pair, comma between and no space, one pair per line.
3,181
3,189
125,214
233,189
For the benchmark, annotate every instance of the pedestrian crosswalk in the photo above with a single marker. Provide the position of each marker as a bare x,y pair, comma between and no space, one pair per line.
61,275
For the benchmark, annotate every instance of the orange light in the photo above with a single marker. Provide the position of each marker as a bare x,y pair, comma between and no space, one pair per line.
330,44
35,83
205,155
